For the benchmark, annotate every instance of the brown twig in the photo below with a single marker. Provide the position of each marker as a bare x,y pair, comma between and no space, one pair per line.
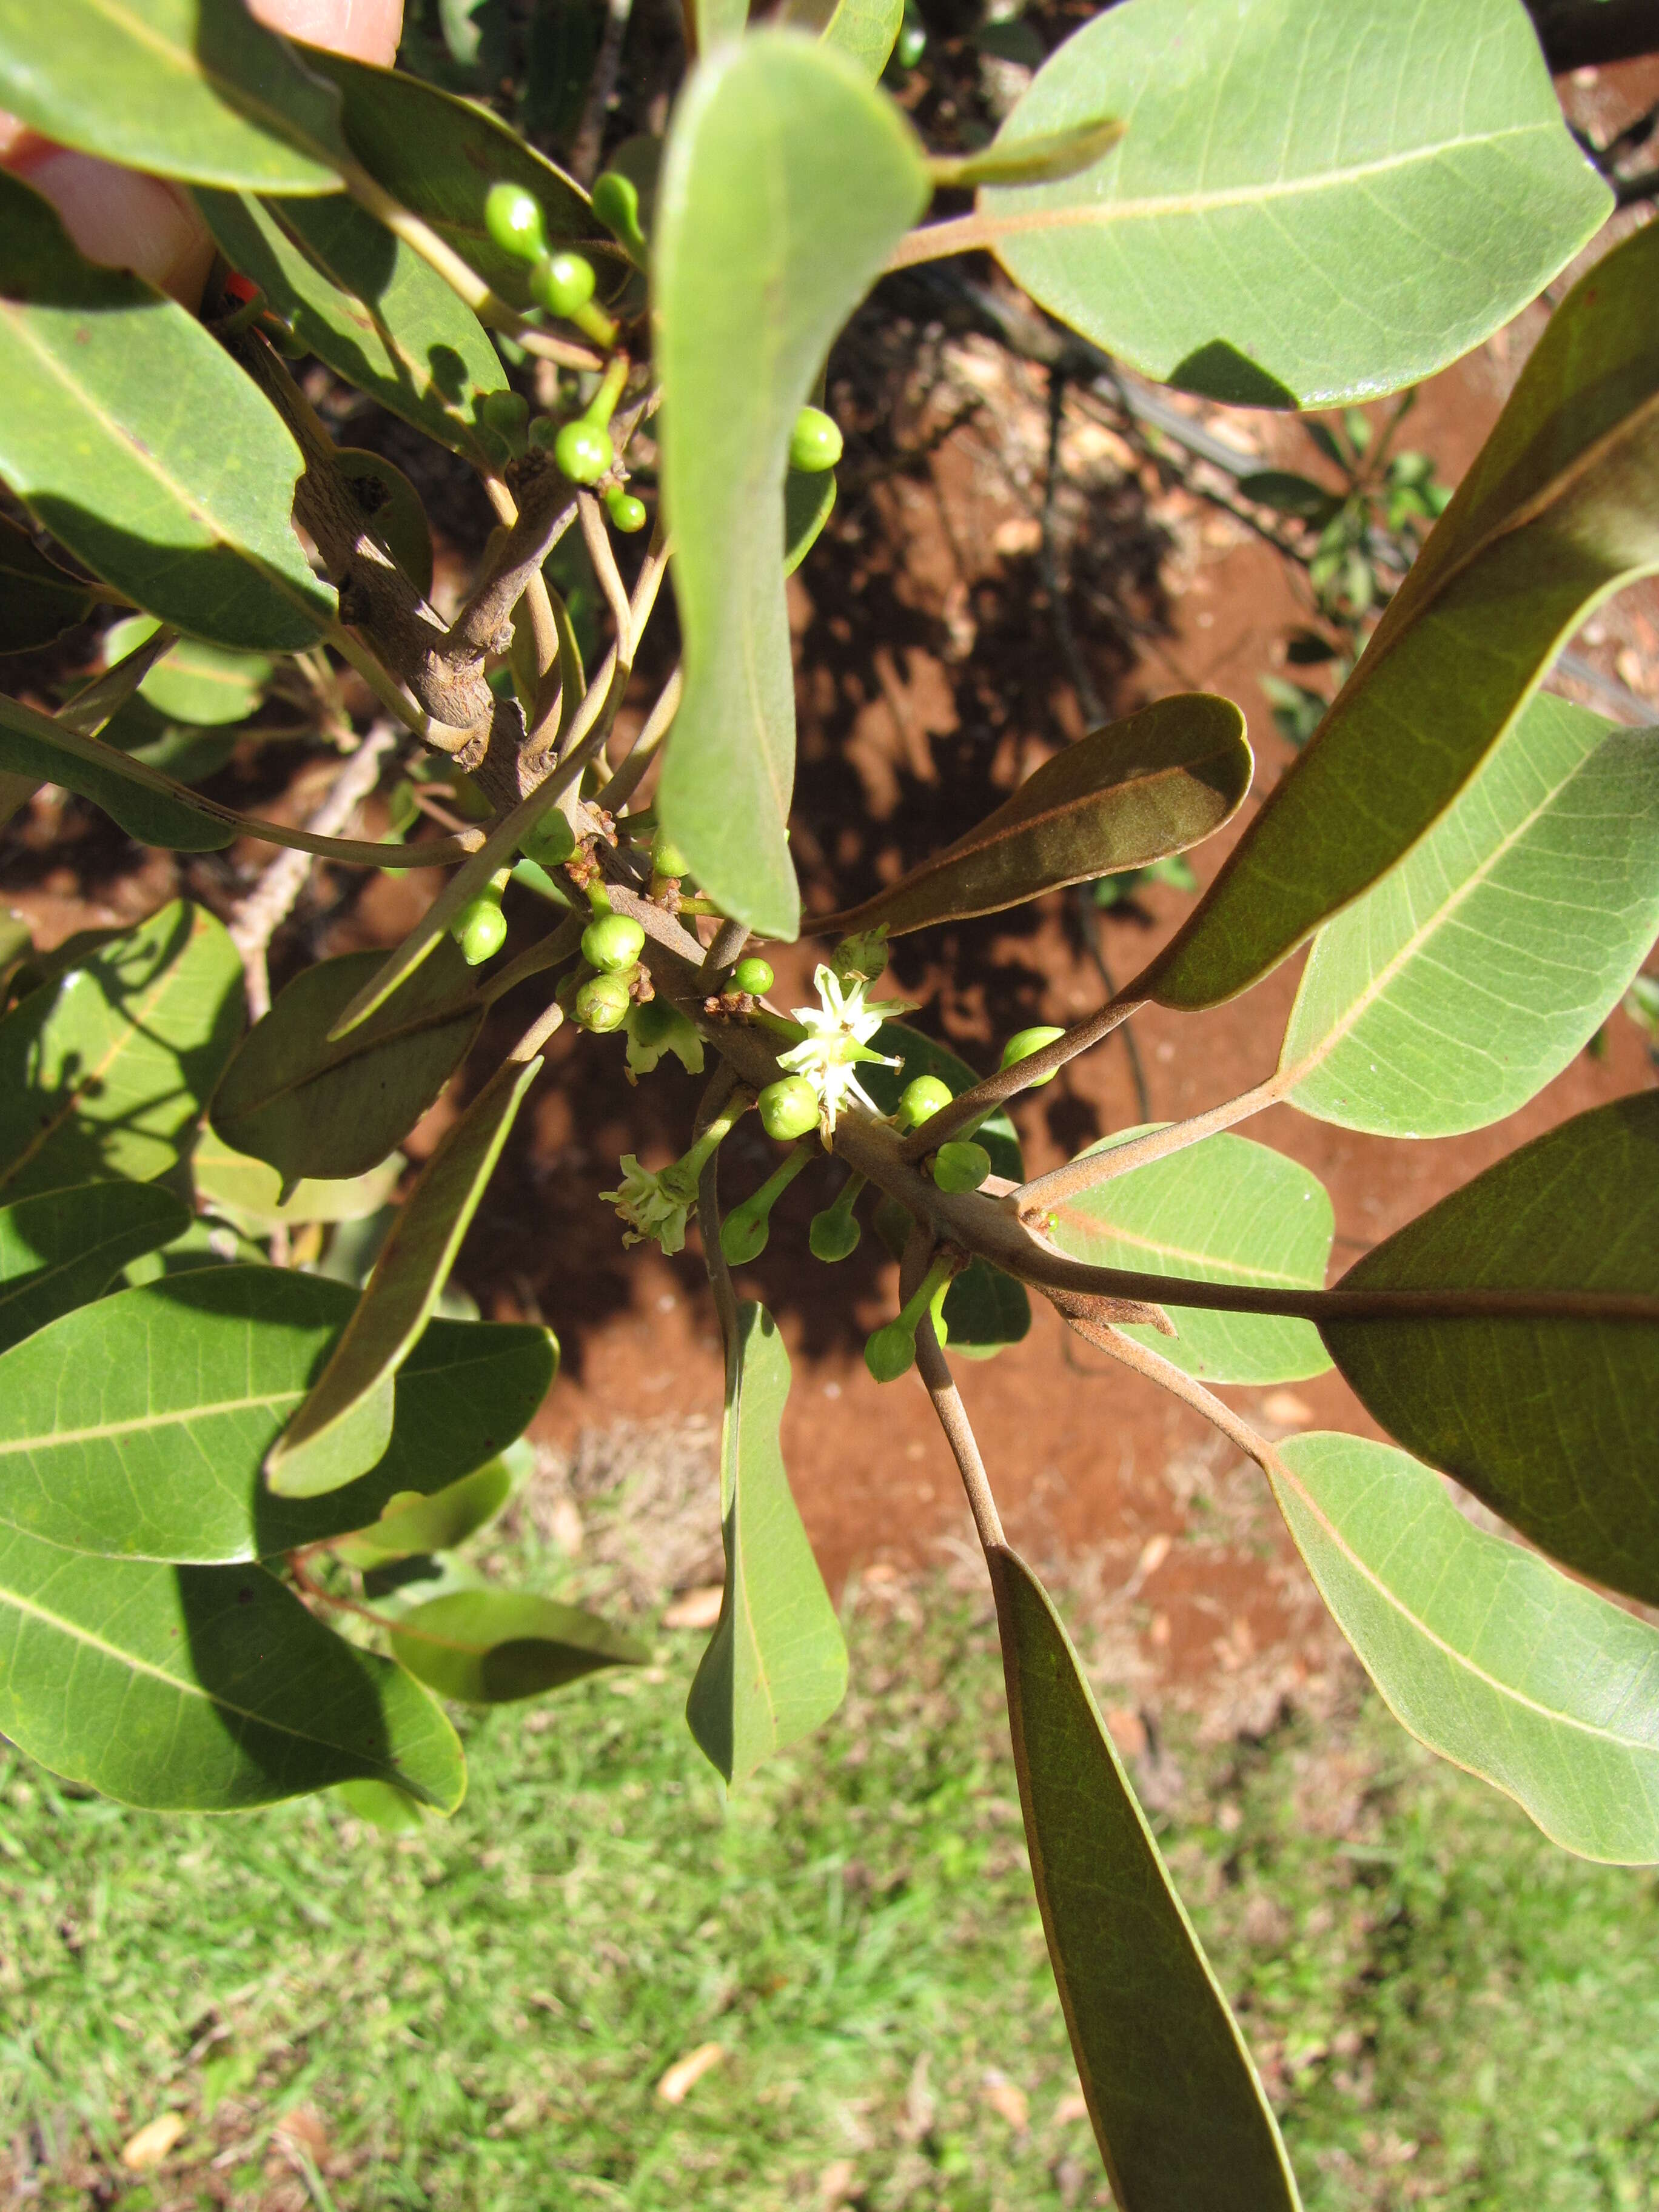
935,1372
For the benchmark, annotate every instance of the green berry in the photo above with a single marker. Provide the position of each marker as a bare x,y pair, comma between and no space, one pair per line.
753,974
833,1234
552,842
961,1166
921,1099
615,201
814,443
562,283
911,45
584,452
613,944
788,1108
744,1234
668,859
512,217
1025,1042
602,1004
627,513
480,930
890,1352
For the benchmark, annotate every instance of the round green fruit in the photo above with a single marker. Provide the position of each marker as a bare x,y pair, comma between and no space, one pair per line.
921,1099
627,513
562,283
512,217
1024,1042
584,452
668,859
552,842
742,1236
890,1352
613,944
753,974
788,1108
602,1004
480,930
833,1235
961,1166
815,442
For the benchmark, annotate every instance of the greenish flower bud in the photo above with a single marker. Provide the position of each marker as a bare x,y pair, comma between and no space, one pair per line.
958,1166
753,974
480,930
550,842
602,1004
920,1100
815,443
834,1234
613,944
1024,1042
788,1108
584,452
616,200
562,283
890,1352
666,858
627,512
514,219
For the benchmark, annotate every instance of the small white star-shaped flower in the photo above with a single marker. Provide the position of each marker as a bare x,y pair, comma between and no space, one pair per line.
838,1032
653,1205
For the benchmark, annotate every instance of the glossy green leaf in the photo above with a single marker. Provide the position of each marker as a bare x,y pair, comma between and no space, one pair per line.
1481,1649
1124,796
1551,1422
439,156
1302,207
64,1248
1483,964
1225,1211
103,1070
1559,510
139,798
178,751
247,1191
488,1647
786,181
202,1689
328,1441
775,1667
192,682
381,1805
141,446
134,1428
190,89
808,501
331,1111
1179,2114
38,601
984,1311
865,31
367,304
411,1524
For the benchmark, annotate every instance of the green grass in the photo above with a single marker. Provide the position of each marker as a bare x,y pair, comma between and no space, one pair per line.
1447,2011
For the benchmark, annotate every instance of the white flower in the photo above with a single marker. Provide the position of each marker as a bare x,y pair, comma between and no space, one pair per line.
653,1205
838,1032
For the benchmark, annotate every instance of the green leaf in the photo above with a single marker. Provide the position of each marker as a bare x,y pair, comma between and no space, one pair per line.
984,1311
38,601
719,21
1286,493
808,499
439,156
381,1805
1482,1649
1549,1421
367,305
331,1440
103,1070
786,181
202,1689
925,1055
313,1108
247,1192
865,31
411,1524
775,1667
488,1647
1477,968
1225,1211
64,1248
135,1427
1301,207
141,446
1130,793
1179,2114
139,799
190,89
193,682
1049,157
1559,510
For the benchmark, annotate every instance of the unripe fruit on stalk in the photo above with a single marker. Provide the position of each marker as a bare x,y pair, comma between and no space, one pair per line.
1024,1042
512,217
920,1100
584,452
480,930
788,1108
627,512
613,944
506,413
666,858
753,974
744,1235
815,442
961,1166
602,1004
550,842
562,283
890,1352
834,1234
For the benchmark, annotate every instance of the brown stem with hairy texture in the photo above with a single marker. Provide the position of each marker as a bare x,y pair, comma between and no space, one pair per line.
1039,1197
973,1105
